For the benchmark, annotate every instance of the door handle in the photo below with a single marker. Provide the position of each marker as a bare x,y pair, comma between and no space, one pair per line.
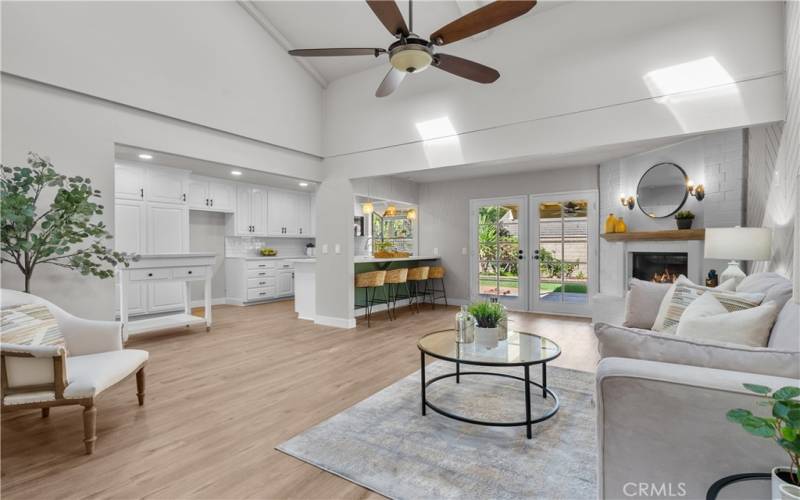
212,202
536,254
141,192
521,254
184,196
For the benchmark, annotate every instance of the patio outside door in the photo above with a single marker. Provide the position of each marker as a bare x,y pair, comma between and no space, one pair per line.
498,251
564,261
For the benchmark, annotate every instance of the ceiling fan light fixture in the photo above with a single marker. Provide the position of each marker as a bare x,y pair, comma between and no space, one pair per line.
411,58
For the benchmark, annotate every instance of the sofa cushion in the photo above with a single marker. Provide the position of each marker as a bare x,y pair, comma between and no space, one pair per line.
707,319
683,292
775,287
91,374
621,342
785,333
643,302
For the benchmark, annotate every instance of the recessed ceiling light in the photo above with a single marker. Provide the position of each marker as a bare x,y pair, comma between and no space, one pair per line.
303,184
236,172
145,156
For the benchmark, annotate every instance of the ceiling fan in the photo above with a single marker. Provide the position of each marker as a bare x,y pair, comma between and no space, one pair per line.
412,53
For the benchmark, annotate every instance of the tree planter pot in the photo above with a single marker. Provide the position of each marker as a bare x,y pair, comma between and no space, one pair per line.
780,476
487,337
684,223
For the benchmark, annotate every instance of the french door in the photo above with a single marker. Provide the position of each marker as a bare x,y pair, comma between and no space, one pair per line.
498,250
563,231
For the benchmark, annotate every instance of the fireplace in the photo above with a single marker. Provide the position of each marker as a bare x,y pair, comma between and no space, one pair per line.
660,267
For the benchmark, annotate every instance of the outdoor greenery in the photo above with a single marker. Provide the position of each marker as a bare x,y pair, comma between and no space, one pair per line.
552,267
684,214
783,424
566,287
486,314
64,234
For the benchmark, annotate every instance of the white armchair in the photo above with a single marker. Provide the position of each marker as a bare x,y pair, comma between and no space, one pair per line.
46,376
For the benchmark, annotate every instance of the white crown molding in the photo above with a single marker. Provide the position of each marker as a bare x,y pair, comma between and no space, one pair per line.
270,28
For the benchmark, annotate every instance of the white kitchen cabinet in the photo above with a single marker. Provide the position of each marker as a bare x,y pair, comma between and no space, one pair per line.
250,218
212,195
284,283
167,232
289,213
129,236
303,207
166,185
258,211
129,181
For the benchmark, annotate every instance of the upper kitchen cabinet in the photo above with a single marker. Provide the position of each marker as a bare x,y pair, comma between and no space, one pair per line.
211,194
250,214
289,213
156,183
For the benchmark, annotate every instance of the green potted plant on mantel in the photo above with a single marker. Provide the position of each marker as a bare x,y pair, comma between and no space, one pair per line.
782,426
63,233
684,218
489,317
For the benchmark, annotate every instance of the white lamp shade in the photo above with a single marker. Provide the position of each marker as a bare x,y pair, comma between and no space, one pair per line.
738,243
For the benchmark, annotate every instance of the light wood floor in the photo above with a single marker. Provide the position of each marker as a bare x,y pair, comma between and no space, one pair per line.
218,403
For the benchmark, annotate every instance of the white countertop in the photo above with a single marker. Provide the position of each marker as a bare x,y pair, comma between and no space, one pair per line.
277,257
366,259
176,255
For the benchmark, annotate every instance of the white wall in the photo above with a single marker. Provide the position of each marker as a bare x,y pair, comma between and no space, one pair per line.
572,78
78,133
205,62
387,188
444,212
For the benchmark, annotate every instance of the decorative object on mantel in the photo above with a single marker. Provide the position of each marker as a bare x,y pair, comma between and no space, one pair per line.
611,223
662,190
627,201
684,219
712,280
669,235
782,425
31,237
737,243
619,225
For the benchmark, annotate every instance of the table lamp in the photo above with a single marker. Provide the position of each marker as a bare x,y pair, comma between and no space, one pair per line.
737,243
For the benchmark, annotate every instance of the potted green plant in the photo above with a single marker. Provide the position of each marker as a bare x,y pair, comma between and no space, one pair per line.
782,426
488,316
684,218
63,233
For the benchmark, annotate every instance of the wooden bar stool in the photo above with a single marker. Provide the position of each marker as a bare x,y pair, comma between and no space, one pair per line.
436,273
417,279
372,281
395,278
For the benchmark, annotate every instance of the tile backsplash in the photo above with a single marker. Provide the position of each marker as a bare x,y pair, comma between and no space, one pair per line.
238,246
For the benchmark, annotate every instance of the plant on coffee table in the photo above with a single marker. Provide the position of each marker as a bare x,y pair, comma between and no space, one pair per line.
486,314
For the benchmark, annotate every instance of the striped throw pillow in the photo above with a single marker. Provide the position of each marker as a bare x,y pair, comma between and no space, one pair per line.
686,292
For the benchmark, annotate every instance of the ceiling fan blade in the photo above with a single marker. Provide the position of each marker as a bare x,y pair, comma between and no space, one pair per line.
487,17
389,14
390,82
465,68
336,52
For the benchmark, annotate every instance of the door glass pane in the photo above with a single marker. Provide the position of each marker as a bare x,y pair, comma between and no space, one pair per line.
509,278
563,252
498,244
487,273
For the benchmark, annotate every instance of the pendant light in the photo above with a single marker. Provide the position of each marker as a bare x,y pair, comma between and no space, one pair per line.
411,214
367,208
391,210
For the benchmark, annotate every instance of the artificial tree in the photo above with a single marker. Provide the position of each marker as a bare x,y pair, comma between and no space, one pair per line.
65,233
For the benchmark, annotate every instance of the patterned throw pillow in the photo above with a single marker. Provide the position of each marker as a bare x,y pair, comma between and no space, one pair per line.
685,292
29,324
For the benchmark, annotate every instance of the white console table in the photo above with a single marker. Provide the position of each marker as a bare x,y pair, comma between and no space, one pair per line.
159,268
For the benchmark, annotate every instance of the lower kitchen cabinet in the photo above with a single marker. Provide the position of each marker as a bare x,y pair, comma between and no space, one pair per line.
249,280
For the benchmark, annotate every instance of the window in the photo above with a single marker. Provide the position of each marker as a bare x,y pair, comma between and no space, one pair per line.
393,233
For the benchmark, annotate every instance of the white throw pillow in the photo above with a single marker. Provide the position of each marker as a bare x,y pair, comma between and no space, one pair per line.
669,314
707,319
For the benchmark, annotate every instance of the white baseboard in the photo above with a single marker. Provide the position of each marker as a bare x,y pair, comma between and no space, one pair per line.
336,322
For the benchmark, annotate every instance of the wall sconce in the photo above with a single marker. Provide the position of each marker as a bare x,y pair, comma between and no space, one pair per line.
627,201
697,191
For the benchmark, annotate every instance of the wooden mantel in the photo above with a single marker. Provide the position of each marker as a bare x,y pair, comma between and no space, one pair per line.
671,235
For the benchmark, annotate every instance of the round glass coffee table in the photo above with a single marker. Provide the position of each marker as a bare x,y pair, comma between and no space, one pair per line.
519,349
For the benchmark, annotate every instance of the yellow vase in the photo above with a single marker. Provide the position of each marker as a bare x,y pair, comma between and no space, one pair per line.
611,223
619,226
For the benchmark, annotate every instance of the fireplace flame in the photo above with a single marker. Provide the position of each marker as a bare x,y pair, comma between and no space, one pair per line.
665,277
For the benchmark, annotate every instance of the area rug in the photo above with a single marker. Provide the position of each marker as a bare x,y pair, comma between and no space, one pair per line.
384,443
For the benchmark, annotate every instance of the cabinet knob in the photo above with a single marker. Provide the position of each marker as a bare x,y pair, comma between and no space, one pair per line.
190,272
141,192
149,275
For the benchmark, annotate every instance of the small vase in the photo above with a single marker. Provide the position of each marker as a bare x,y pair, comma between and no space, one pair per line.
465,326
487,337
778,481
684,223
619,225
611,221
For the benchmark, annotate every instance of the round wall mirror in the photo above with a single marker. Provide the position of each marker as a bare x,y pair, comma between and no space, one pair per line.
662,190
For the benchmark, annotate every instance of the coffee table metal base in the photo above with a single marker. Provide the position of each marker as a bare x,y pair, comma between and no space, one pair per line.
528,422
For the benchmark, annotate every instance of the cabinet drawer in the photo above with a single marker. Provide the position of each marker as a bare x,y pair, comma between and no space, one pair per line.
260,282
260,273
260,264
150,274
285,265
261,293
188,272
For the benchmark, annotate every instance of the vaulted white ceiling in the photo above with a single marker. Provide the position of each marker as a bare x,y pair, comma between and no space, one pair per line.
320,24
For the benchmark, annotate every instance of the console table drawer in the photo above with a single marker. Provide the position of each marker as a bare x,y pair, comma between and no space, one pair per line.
188,272
260,273
260,264
260,282
150,274
261,293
